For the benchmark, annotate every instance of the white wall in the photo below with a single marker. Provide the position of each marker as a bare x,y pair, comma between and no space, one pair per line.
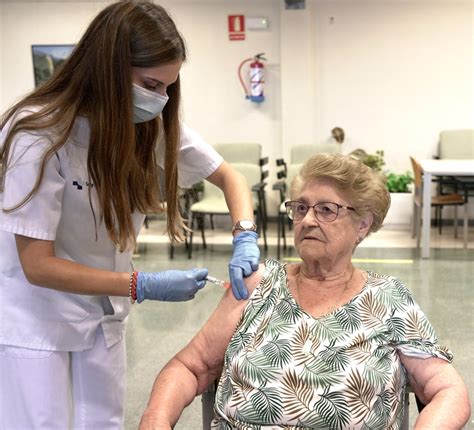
392,73
26,23
297,84
214,101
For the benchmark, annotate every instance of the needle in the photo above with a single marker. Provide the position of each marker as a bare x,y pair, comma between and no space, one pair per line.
216,281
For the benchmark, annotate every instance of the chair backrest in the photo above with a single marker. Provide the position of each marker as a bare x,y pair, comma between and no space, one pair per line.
211,191
245,152
300,153
417,172
456,144
293,170
418,177
251,172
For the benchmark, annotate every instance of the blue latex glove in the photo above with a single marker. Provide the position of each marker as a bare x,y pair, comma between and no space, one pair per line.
171,285
244,262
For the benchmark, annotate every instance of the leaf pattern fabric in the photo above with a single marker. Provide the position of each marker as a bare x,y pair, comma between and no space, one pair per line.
284,369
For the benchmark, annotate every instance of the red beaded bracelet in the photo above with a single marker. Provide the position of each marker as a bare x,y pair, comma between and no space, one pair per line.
132,290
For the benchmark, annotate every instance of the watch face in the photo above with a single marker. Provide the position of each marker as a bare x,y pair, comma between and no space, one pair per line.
247,224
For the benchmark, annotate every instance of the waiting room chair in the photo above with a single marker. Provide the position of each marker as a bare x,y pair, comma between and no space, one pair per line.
187,196
457,145
240,152
285,176
439,200
213,203
248,152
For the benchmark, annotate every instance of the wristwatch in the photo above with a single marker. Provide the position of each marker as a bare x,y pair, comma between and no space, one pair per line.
244,225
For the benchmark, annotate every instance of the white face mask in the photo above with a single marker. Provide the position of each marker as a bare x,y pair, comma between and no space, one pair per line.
146,104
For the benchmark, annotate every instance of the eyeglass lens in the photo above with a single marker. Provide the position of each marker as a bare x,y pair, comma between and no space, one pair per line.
325,212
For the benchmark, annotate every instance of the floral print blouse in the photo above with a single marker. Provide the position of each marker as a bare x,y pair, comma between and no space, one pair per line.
284,369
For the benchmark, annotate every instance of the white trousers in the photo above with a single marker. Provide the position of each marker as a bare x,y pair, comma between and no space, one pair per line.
55,390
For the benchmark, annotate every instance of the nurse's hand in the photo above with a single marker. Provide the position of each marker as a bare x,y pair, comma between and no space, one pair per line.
244,262
171,285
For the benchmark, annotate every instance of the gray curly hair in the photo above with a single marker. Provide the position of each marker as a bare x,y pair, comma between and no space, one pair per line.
366,188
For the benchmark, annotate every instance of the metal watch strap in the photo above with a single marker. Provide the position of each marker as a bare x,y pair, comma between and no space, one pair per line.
239,226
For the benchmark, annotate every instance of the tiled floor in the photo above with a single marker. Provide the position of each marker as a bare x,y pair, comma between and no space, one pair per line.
442,285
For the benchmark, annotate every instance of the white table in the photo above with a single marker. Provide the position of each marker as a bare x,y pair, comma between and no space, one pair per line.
439,168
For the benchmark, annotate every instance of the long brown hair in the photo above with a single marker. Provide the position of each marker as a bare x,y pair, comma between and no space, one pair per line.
96,82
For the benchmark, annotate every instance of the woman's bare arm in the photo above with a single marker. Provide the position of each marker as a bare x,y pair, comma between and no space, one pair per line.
439,386
236,191
41,267
199,363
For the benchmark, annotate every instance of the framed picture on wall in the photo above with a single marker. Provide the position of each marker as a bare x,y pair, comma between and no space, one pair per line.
47,58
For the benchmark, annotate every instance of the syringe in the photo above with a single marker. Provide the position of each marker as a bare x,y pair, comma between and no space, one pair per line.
223,284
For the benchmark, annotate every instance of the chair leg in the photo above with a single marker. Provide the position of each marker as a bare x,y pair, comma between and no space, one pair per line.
439,218
261,219
455,221
258,221
191,233
186,237
465,224
279,221
207,399
201,227
413,221
406,412
264,212
418,226
264,233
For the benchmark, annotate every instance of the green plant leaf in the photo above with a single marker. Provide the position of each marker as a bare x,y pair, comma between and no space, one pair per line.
399,182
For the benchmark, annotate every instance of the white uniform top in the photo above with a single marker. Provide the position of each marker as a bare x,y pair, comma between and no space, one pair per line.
42,318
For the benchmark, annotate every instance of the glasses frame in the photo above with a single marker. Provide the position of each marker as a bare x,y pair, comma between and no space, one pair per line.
339,207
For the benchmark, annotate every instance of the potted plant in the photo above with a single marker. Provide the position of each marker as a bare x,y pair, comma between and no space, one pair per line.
399,182
374,161
401,207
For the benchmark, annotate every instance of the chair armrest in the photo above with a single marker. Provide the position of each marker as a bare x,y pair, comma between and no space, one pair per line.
258,187
281,188
284,171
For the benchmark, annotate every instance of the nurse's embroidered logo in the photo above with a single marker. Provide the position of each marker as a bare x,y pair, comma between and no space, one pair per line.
79,184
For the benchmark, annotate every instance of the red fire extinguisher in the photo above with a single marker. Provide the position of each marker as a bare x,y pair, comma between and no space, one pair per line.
254,91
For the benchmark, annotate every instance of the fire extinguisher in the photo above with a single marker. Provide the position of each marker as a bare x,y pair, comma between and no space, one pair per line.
254,91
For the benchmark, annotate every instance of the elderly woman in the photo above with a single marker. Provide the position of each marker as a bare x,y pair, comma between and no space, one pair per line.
320,344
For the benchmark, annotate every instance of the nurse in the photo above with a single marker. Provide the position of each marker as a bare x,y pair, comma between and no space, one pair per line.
81,159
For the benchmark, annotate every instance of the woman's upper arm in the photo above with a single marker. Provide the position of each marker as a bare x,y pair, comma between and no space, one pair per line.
429,376
32,253
221,175
204,355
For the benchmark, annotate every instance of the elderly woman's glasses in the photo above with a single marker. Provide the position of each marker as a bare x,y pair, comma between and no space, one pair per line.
324,211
